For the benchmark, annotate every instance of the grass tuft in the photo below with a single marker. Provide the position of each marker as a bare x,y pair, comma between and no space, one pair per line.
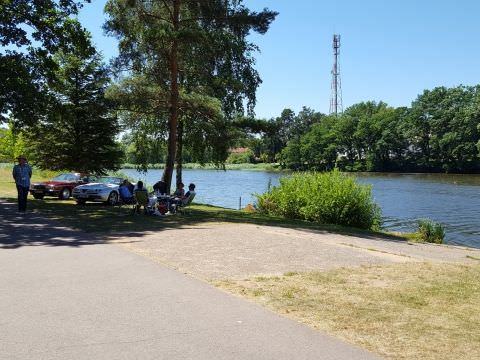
430,231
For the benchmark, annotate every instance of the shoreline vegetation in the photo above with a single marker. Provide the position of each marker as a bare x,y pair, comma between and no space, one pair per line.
268,167
276,167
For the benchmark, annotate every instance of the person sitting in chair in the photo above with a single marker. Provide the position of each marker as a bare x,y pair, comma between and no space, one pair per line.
125,192
160,187
190,194
184,200
180,192
141,196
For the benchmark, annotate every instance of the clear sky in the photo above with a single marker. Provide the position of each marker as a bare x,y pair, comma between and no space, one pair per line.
391,50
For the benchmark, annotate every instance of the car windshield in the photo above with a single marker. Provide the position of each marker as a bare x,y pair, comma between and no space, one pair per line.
66,177
109,180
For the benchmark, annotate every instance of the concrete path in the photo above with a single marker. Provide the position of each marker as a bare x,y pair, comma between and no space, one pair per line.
67,295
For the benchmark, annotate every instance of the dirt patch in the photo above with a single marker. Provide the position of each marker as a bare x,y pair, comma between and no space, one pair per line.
236,251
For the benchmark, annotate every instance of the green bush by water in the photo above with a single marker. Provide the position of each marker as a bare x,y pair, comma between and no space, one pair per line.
325,198
430,231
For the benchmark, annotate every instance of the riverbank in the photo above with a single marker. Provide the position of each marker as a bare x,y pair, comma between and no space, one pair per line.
270,167
403,198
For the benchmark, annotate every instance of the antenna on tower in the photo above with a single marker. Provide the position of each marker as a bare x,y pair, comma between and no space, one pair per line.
336,103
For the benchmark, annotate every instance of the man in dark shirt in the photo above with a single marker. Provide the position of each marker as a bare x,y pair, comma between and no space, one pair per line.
22,173
160,187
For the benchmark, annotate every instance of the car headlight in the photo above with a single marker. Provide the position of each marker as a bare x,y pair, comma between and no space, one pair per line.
51,186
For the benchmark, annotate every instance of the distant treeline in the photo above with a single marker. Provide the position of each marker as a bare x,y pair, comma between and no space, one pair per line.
438,133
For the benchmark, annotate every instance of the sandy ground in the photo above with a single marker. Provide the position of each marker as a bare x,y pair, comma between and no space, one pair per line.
236,251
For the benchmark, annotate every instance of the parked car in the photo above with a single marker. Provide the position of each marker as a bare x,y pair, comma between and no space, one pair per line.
60,186
104,189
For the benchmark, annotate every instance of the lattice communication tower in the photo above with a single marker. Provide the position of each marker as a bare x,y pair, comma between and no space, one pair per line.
336,104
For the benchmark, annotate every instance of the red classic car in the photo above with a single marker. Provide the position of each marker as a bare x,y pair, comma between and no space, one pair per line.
60,186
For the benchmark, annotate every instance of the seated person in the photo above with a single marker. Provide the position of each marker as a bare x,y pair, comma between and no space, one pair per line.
184,199
125,192
180,192
189,193
131,187
160,187
141,196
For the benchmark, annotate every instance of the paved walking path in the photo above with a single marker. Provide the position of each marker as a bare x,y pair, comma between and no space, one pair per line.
68,295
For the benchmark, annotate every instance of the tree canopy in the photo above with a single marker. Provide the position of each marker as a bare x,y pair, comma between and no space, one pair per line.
30,33
77,131
196,66
438,133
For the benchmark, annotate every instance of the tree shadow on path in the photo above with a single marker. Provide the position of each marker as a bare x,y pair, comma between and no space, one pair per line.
18,230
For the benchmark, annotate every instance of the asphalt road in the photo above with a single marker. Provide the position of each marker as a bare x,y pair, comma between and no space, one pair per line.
69,295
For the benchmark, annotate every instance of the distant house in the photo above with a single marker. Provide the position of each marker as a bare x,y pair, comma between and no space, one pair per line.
239,150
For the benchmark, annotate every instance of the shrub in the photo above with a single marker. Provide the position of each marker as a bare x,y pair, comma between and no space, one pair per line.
430,231
325,198
241,158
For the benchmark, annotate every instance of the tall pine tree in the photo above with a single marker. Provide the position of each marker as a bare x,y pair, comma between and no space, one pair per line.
194,57
78,130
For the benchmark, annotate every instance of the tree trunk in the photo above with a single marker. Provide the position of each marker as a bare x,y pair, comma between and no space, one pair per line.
174,95
179,154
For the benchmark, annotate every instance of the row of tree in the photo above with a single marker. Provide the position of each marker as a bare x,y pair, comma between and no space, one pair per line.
185,70
440,132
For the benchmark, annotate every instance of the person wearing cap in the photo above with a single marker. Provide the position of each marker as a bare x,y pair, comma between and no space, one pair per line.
22,172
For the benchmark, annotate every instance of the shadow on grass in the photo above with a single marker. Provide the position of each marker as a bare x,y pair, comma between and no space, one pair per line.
34,229
57,223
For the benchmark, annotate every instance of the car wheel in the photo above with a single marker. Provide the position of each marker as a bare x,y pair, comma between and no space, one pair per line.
81,202
112,198
64,194
38,196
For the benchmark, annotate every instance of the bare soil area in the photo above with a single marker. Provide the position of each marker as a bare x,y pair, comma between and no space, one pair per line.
234,251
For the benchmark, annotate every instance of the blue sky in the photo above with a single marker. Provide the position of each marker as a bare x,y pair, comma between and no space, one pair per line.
391,50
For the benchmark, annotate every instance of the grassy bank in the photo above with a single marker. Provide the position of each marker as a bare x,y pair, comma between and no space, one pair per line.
94,217
401,311
194,166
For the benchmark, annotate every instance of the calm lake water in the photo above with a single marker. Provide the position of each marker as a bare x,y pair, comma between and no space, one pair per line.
453,200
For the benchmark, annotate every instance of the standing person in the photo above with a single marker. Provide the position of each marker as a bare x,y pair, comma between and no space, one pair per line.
22,172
